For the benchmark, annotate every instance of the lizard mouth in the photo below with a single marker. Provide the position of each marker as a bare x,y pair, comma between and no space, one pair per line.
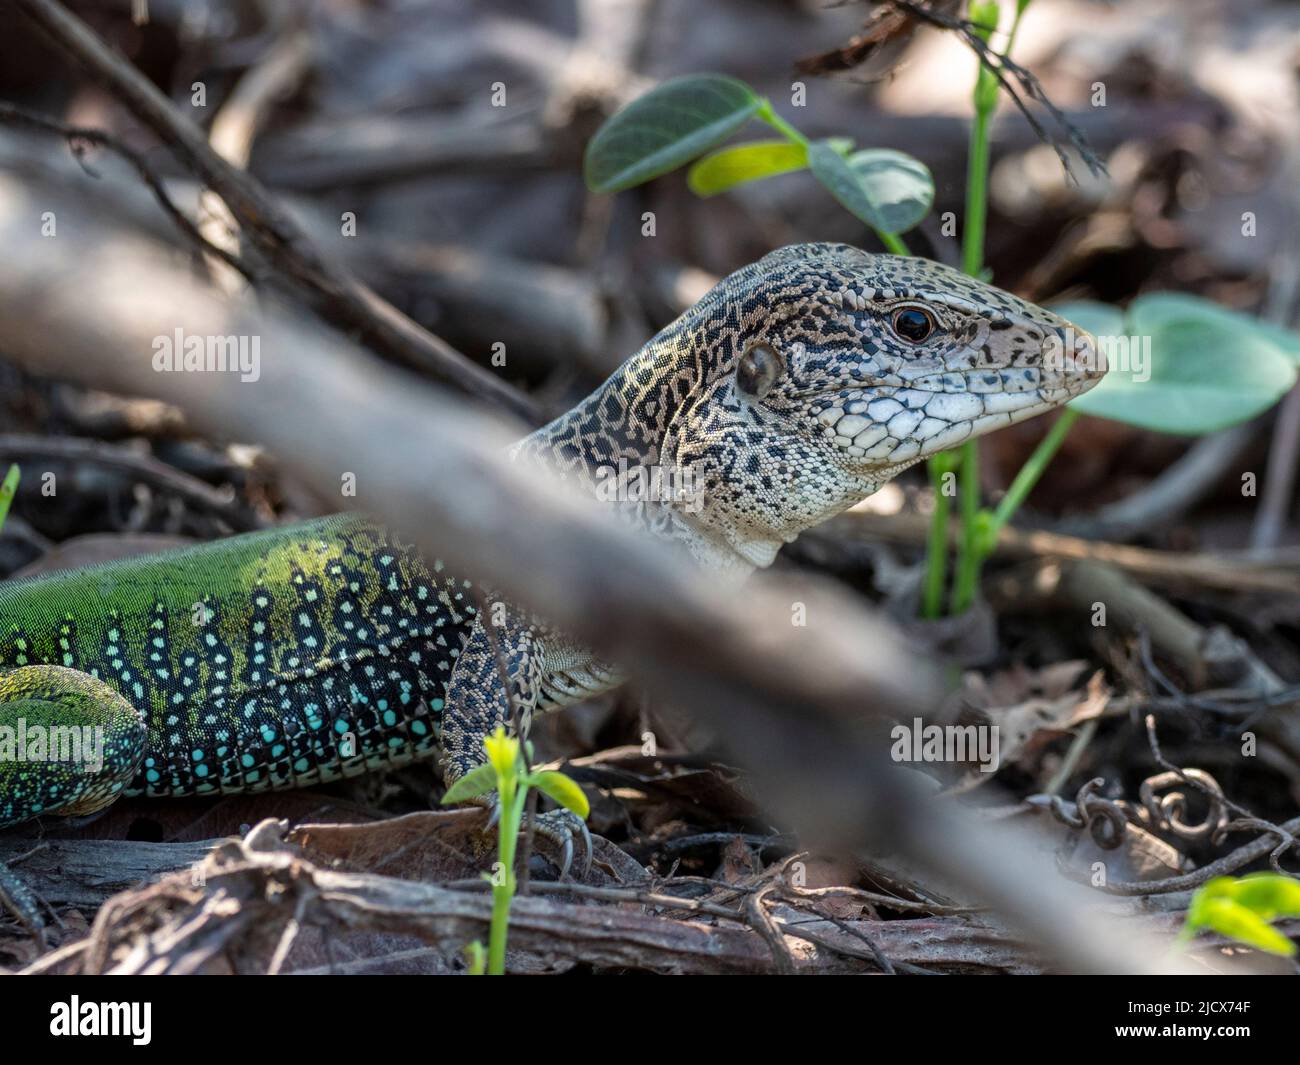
1071,361
885,420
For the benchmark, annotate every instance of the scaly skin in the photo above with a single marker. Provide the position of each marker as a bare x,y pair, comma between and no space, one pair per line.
305,654
281,659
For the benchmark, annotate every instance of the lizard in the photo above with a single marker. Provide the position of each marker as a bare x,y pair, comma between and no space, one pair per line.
795,388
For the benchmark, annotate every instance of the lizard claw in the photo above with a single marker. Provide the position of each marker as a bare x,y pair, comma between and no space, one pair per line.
561,827
557,827
587,849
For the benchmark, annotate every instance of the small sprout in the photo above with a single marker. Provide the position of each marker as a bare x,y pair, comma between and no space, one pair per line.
687,118
475,958
1241,909
506,772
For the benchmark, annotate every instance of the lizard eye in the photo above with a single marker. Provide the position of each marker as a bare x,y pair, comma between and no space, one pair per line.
913,324
758,369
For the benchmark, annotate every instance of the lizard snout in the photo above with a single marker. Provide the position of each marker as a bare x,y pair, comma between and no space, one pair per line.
1075,359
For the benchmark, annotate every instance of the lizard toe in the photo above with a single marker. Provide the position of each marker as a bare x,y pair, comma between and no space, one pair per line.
562,828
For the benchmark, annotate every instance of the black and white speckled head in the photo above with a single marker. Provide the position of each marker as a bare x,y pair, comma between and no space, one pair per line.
803,382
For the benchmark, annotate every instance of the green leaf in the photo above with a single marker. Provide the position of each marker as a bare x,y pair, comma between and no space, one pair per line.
1287,341
1268,895
1173,305
888,190
563,790
729,167
1241,909
984,16
1180,364
666,128
833,171
1231,919
900,186
478,781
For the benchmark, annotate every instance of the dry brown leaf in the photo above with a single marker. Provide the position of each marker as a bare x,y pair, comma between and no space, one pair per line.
1026,727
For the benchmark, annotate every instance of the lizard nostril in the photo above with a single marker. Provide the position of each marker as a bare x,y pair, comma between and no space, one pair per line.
1089,360
1074,355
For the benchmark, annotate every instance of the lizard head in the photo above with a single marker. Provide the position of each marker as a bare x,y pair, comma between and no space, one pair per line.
807,380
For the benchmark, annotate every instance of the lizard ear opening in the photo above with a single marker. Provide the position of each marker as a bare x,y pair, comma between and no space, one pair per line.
758,369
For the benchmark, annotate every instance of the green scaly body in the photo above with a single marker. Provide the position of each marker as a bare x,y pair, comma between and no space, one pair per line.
280,659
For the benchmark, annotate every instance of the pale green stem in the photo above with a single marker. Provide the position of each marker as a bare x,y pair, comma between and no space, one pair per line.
7,490
969,558
512,795
977,173
893,242
977,188
1030,472
936,552
768,114
984,536
966,573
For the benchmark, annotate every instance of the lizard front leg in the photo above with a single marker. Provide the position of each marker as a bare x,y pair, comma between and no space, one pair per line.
496,682
497,677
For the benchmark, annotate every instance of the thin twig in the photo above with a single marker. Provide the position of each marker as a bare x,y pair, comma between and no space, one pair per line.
886,966
144,468
21,118
762,922
1247,819
276,72
1229,863
288,937
336,296
999,66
